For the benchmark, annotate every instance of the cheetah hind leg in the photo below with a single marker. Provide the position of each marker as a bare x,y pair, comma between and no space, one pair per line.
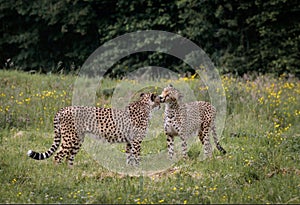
73,151
206,143
63,151
201,138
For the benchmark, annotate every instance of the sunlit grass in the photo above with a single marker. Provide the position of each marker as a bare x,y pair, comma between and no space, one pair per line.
261,136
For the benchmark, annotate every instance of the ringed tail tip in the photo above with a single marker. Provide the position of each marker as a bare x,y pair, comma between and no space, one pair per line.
29,153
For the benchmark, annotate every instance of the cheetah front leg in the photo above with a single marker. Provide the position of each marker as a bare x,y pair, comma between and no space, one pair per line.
128,153
134,157
170,144
184,146
200,135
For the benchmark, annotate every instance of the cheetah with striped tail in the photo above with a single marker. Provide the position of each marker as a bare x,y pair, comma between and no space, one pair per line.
114,125
185,119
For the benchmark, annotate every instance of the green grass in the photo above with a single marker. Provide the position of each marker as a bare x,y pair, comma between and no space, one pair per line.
261,136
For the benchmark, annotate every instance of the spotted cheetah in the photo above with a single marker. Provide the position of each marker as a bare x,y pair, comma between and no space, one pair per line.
186,119
128,126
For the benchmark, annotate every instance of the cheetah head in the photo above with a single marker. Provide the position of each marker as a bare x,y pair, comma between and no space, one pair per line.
152,99
170,94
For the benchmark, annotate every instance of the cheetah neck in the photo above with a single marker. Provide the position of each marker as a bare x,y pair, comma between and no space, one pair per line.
140,108
175,109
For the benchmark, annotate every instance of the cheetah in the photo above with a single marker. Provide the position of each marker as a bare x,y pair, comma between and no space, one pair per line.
128,125
186,119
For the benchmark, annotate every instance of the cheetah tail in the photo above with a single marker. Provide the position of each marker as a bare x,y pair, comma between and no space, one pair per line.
220,148
54,147
214,133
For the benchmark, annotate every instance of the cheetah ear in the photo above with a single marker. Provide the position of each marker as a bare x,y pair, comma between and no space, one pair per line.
142,94
170,85
179,96
152,97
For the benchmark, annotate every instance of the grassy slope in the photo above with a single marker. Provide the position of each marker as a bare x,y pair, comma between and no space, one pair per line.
262,137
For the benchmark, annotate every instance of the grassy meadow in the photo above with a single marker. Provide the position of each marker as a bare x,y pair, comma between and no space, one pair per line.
261,136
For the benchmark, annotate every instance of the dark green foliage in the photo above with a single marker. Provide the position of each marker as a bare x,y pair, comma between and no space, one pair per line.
239,36
268,34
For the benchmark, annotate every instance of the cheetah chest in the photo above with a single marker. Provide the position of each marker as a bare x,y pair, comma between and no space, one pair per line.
172,125
171,129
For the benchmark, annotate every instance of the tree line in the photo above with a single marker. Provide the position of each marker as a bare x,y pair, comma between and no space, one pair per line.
240,36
